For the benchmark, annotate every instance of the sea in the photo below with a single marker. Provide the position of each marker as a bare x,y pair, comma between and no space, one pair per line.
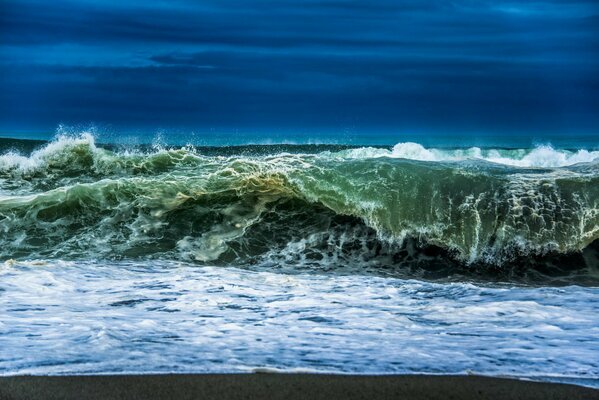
128,254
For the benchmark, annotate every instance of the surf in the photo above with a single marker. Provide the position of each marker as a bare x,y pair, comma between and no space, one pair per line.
401,208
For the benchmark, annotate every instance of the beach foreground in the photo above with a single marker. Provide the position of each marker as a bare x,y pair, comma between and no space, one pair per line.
284,386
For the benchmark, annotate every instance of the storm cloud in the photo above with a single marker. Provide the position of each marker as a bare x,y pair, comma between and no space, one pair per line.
428,66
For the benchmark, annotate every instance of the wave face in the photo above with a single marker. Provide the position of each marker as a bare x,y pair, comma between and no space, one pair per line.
396,209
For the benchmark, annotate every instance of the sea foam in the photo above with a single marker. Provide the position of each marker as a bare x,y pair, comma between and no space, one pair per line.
541,156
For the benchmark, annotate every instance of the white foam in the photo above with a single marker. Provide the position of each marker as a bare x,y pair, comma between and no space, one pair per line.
40,158
153,317
546,156
540,156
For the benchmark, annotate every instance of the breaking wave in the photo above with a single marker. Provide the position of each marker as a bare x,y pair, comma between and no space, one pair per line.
540,156
398,209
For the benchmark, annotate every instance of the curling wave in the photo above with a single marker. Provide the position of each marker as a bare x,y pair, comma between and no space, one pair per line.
408,205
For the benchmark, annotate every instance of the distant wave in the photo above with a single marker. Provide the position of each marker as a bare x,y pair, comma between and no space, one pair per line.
540,156
406,206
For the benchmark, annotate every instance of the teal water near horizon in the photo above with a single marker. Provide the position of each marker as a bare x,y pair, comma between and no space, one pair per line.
347,137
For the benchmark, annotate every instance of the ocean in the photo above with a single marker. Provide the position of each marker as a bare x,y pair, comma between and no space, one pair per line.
127,256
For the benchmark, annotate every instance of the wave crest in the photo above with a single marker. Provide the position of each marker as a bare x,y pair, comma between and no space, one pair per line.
543,156
74,199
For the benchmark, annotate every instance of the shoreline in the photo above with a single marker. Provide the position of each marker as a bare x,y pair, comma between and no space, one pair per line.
287,386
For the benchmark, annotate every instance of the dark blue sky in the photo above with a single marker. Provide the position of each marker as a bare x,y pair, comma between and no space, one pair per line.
424,66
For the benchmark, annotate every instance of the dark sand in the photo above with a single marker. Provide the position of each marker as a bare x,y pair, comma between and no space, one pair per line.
284,386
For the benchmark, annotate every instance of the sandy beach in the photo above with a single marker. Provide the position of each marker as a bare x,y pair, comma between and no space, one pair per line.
283,386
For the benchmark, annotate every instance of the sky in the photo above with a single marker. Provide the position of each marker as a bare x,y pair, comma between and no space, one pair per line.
429,67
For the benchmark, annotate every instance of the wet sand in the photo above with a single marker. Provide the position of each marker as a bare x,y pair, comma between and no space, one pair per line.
284,386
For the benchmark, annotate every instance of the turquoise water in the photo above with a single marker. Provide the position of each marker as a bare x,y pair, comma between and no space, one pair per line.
228,137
